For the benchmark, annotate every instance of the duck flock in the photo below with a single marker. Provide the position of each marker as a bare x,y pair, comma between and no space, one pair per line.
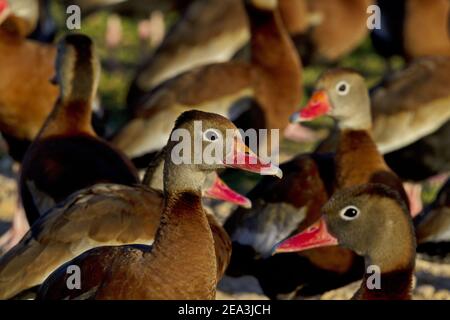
101,208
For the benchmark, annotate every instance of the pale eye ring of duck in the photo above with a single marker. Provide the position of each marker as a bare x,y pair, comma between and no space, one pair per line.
211,135
349,213
343,88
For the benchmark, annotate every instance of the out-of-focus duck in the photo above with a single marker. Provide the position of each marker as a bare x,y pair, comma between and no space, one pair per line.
280,208
263,92
104,214
373,221
21,116
411,119
413,28
210,31
181,264
334,28
433,227
213,31
67,155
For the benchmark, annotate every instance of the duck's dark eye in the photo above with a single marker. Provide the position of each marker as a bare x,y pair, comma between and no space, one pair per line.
342,88
210,135
349,213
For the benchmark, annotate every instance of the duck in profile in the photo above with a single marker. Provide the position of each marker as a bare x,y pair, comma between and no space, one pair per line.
373,221
181,264
67,155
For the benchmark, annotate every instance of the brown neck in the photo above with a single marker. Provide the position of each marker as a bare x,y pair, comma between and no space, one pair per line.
357,158
183,254
394,285
279,68
72,113
70,117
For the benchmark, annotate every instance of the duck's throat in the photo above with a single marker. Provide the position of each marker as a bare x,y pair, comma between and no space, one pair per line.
393,285
183,253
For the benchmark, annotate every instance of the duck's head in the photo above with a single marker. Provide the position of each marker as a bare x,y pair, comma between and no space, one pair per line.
341,94
77,68
370,219
19,16
201,143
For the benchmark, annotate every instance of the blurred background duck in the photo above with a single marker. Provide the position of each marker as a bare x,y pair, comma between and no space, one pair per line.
259,94
412,29
181,264
373,221
25,101
67,155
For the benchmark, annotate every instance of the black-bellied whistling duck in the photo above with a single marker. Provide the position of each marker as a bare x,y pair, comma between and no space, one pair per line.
343,95
104,214
373,221
413,28
67,156
433,227
411,103
277,206
411,117
21,116
181,264
208,32
334,28
272,81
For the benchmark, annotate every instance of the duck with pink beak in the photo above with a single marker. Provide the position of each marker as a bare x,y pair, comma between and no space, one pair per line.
373,221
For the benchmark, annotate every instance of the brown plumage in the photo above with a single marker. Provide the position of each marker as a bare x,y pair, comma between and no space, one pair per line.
272,80
278,212
182,261
101,215
410,112
21,116
413,28
373,221
208,32
67,156
335,28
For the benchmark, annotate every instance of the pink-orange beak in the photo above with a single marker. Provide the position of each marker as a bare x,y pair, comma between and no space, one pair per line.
243,158
315,236
220,191
5,10
317,106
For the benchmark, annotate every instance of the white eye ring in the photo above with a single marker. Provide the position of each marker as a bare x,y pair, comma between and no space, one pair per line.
349,213
343,88
211,135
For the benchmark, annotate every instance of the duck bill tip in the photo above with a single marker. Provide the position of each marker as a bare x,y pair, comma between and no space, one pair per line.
244,159
221,191
315,236
316,107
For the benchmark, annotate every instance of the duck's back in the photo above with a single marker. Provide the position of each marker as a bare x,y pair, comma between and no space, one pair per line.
56,167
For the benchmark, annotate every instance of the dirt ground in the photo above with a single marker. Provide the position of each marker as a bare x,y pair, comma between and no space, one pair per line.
432,282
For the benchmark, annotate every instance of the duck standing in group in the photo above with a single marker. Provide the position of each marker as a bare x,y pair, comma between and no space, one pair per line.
373,221
181,264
